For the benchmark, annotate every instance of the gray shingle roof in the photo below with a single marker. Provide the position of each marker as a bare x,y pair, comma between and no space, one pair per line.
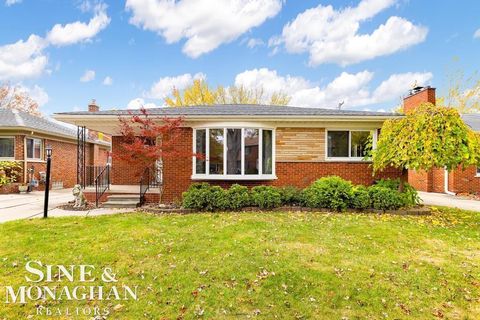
472,120
15,118
239,110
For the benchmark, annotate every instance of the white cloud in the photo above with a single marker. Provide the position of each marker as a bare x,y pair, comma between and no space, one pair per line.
254,42
137,103
62,35
205,24
23,59
26,59
88,76
352,89
108,81
332,36
164,86
477,34
9,3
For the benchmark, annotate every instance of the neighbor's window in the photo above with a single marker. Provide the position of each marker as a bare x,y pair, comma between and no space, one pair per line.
478,172
7,146
34,149
347,144
234,152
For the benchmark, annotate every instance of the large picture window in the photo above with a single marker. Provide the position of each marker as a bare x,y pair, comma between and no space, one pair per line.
234,153
34,149
7,147
348,144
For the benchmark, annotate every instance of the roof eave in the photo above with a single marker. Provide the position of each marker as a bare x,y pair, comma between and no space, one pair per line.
75,119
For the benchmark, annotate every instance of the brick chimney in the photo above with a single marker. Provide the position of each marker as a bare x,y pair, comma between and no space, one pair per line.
93,107
417,96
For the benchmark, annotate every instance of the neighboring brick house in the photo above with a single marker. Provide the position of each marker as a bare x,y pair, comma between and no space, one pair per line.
254,144
436,180
23,138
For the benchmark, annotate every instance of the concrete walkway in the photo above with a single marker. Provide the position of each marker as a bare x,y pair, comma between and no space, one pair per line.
446,200
26,206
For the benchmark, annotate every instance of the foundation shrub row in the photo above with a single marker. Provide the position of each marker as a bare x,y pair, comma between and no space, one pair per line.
332,193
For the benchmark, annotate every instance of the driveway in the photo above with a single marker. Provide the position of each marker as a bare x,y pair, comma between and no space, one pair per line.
446,200
26,206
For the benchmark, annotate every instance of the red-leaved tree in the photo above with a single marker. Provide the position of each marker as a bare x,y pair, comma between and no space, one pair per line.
148,141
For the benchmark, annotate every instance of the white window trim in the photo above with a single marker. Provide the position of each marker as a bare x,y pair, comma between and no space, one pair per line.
9,158
33,151
225,176
349,159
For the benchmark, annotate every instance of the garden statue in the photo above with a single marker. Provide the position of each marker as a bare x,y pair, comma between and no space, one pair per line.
80,200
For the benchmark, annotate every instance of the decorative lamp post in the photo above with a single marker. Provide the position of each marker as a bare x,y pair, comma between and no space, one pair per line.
48,151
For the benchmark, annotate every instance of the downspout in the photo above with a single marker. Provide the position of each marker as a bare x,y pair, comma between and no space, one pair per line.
446,183
25,164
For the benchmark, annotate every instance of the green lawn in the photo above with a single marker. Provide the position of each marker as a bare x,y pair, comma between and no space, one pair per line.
264,265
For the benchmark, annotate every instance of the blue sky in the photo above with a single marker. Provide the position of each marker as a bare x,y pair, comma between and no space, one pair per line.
127,53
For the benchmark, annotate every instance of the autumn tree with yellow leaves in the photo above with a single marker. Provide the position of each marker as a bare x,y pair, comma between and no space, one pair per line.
200,93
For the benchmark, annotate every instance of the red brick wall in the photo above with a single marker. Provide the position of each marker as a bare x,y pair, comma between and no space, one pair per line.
464,181
420,180
122,172
413,101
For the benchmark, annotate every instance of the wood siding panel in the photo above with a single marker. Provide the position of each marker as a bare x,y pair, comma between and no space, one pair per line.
300,144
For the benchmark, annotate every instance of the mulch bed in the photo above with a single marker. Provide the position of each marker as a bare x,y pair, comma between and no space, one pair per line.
69,207
416,211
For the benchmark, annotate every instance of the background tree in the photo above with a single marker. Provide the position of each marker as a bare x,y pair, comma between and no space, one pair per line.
14,97
430,136
463,92
148,141
199,93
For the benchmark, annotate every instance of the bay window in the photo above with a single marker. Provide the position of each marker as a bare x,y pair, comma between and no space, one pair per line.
7,147
348,144
34,149
233,153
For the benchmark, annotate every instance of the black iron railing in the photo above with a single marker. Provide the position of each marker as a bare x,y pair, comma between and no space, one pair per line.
102,183
150,179
91,173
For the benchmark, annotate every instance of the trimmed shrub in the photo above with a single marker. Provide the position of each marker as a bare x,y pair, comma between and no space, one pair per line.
203,196
237,197
329,192
291,195
409,193
361,198
9,172
266,197
386,199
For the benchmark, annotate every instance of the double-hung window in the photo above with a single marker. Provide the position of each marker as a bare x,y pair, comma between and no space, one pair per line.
349,144
7,147
233,153
34,149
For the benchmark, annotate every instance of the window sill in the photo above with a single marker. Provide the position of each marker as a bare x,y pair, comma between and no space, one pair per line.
7,159
234,177
36,160
347,160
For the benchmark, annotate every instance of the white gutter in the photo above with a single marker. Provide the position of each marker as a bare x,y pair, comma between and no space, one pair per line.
445,180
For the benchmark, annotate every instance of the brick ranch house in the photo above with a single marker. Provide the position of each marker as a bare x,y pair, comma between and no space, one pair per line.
270,145
24,137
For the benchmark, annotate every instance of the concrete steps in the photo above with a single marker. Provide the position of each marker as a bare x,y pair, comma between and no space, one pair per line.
122,201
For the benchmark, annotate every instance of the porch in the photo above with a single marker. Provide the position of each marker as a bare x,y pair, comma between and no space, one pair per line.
122,195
